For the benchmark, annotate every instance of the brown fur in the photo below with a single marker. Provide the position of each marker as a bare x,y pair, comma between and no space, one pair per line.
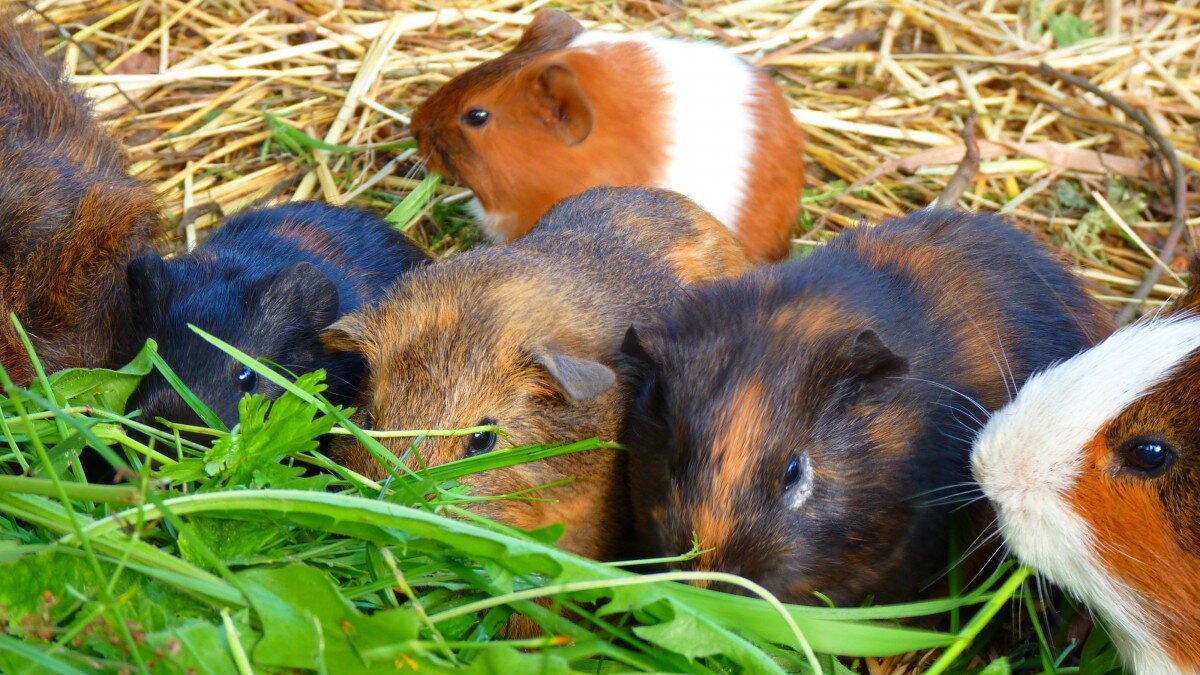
1149,528
518,165
70,216
458,343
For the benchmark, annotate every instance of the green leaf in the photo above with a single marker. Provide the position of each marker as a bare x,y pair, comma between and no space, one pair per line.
1000,666
308,624
416,200
1068,29
268,432
102,388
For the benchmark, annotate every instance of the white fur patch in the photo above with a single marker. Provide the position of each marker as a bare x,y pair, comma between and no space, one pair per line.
1030,454
494,223
711,117
799,493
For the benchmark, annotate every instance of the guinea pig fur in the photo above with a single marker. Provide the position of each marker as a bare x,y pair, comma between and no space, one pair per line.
71,217
797,419
268,281
1094,472
570,109
525,336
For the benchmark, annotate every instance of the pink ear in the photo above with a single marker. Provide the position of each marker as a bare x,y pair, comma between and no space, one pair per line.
550,29
565,108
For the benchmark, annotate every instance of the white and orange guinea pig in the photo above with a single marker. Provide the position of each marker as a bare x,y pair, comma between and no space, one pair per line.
569,109
1094,471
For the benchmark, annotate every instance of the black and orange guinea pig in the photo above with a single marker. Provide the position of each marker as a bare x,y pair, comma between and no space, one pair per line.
267,282
526,336
1094,473
71,217
569,109
800,420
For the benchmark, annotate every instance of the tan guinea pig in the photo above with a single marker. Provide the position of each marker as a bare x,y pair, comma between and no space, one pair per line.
570,109
526,336
1094,471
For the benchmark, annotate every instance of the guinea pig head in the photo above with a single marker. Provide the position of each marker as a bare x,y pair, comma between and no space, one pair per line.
277,318
783,449
446,353
480,127
1094,471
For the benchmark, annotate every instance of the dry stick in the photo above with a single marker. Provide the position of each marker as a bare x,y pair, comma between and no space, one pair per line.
1160,146
967,169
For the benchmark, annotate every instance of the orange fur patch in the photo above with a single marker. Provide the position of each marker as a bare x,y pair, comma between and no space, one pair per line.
1138,545
772,204
734,455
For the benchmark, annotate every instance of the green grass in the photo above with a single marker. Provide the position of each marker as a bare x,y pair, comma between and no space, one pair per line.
235,558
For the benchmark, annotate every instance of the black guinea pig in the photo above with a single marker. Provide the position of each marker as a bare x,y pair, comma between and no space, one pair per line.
267,282
801,419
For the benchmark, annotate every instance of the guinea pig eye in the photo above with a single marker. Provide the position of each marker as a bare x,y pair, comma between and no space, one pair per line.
792,475
476,117
247,379
480,442
1148,457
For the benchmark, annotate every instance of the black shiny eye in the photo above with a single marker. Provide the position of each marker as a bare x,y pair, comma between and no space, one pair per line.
480,442
476,117
1148,457
247,379
792,474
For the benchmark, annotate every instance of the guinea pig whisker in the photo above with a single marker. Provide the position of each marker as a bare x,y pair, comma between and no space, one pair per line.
952,486
987,342
1008,367
952,390
964,412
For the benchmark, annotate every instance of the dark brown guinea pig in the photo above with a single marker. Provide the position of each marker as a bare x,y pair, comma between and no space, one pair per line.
70,216
526,336
268,282
799,420
569,109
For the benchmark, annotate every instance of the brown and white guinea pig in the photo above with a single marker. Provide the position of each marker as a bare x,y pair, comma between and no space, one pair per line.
1094,472
268,282
798,419
570,109
526,336
70,216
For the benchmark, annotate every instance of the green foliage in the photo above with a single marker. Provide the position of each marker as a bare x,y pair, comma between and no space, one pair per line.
1068,29
228,556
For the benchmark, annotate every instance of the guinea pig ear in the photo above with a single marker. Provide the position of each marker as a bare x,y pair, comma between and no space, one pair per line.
347,335
300,293
565,108
578,379
868,365
550,29
148,280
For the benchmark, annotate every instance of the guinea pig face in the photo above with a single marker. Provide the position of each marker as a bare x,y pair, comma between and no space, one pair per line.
783,458
277,318
477,125
1094,470
450,369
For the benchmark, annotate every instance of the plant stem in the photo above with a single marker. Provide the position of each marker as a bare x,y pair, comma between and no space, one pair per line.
981,619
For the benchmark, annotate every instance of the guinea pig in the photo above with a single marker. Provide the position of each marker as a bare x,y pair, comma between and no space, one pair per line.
570,109
525,336
797,419
71,217
268,282
1094,473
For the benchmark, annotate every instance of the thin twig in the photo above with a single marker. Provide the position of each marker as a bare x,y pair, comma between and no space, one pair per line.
1161,147
967,169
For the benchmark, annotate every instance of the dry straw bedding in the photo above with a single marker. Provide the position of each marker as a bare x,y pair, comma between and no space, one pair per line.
882,87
